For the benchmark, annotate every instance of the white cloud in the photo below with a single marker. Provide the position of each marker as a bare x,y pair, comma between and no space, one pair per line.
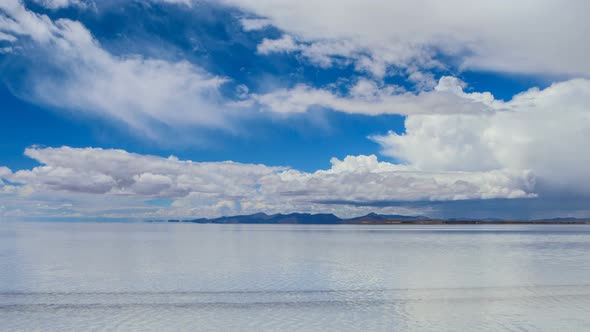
120,173
57,4
132,89
540,36
546,131
422,80
15,20
214,188
7,37
363,179
252,24
4,171
283,44
367,97
188,3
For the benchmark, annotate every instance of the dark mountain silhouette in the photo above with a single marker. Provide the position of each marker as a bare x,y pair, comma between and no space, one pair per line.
375,218
369,219
263,218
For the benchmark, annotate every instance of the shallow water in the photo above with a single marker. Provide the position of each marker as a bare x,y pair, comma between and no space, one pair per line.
149,276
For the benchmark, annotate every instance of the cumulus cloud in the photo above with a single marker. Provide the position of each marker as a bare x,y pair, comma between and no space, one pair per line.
283,44
448,129
363,179
367,97
4,171
118,172
546,131
86,78
213,188
546,36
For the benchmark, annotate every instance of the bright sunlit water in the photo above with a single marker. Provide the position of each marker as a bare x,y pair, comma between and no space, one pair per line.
174,277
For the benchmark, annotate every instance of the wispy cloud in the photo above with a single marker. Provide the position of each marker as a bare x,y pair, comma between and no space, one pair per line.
540,37
68,69
368,97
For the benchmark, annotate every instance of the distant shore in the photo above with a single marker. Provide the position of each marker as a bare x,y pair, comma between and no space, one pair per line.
369,219
473,222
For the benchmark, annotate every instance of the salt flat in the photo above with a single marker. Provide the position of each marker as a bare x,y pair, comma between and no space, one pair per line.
140,276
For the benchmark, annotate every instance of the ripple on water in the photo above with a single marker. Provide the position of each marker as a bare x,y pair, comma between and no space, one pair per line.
485,309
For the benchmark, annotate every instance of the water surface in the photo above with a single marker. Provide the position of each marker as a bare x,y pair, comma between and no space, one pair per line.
170,277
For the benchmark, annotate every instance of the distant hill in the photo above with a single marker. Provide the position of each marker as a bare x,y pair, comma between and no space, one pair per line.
374,218
369,219
263,218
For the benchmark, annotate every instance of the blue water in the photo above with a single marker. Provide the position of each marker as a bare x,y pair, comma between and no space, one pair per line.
174,277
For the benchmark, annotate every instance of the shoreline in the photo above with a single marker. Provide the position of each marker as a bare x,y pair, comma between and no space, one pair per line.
388,222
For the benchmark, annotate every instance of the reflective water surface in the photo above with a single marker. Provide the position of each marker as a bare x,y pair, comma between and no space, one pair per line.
171,277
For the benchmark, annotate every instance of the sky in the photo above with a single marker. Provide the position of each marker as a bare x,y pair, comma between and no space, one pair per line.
157,109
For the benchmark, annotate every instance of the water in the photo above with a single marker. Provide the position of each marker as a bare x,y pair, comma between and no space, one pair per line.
174,277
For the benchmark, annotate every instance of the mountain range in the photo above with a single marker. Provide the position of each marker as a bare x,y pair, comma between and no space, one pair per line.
371,218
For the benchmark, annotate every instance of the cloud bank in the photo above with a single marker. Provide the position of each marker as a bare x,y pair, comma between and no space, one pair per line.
215,188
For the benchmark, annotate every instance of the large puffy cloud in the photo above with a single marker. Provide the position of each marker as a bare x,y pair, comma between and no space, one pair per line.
118,172
68,68
540,36
546,131
363,179
214,188
448,129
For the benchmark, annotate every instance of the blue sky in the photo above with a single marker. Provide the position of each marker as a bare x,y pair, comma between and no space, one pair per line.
445,111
